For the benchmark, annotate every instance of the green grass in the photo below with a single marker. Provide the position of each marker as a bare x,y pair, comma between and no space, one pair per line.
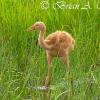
23,63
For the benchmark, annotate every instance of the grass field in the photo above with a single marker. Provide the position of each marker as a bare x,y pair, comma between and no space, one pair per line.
23,63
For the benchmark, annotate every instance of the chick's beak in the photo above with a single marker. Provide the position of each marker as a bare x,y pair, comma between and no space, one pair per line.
32,28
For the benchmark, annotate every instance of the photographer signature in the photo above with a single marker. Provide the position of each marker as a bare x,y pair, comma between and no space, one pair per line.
63,5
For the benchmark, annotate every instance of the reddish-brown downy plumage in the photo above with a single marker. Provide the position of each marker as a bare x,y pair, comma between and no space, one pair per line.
60,42
57,44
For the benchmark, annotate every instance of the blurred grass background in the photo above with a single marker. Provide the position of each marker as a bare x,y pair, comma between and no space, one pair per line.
23,63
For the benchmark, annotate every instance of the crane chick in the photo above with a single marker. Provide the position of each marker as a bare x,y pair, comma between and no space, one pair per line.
57,44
